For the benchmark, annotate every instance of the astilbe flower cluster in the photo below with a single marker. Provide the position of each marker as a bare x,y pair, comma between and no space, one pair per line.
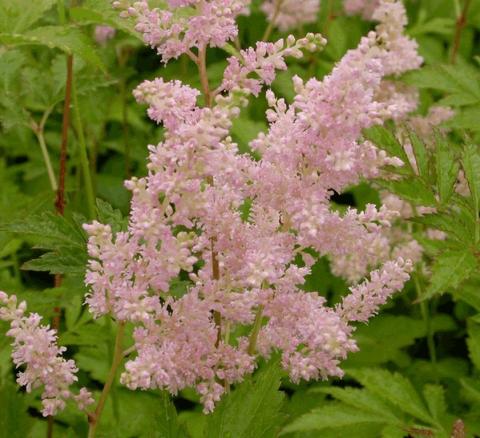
236,224
365,8
246,231
290,14
184,24
35,350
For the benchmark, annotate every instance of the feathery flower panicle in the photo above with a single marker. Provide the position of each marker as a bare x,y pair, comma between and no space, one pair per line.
237,225
198,180
263,61
103,34
291,14
184,24
365,8
365,299
35,350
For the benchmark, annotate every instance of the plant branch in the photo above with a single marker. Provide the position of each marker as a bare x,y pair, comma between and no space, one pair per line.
83,155
60,200
94,418
460,25
271,24
257,325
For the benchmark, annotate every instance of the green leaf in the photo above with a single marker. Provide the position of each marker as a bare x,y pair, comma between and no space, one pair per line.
435,397
108,215
449,270
461,81
380,341
332,416
102,12
446,169
19,15
362,400
473,343
166,419
471,166
412,190
385,139
64,239
251,410
14,419
394,388
62,261
438,25
69,39
421,154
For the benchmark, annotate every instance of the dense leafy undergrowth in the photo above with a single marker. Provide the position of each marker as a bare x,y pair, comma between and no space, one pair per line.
417,371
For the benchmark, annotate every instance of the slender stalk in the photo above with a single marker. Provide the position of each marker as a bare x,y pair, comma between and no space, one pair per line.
271,24
202,70
424,308
60,200
46,158
329,17
83,155
94,418
460,25
257,325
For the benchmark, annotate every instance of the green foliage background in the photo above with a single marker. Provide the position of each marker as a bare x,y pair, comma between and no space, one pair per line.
418,369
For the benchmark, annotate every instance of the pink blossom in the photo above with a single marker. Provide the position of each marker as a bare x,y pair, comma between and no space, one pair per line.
35,350
290,14
103,34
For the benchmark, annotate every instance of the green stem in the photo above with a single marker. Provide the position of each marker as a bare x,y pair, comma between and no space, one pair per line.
83,155
257,325
271,24
424,308
46,159
62,16
117,360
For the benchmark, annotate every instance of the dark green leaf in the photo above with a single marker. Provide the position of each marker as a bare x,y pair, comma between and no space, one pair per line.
251,410
69,39
449,270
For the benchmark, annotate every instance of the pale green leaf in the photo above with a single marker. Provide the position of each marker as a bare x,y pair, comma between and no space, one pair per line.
394,388
69,39
332,416
251,410
449,270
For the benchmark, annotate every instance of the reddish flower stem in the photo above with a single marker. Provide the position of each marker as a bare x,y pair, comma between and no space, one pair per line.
460,25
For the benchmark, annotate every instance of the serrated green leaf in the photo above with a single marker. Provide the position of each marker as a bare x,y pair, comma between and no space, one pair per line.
435,397
108,215
465,119
449,270
50,229
167,425
461,81
471,166
473,343
438,25
446,169
394,388
421,155
68,39
332,416
102,12
14,419
19,15
385,139
363,400
412,190
62,261
251,410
